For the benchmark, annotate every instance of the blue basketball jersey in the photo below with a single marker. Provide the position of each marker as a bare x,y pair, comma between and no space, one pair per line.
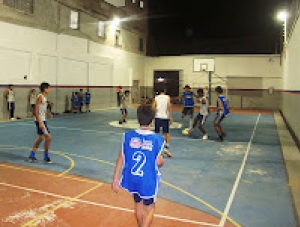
140,152
87,97
224,101
188,99
76,101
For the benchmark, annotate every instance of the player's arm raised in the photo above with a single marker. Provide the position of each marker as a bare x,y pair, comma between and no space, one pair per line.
119,164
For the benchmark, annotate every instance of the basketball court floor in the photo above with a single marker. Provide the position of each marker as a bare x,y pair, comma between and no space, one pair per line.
240,182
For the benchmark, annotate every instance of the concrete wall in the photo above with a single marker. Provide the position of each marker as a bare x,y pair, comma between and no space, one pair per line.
66,62
246,78
54,16
291,80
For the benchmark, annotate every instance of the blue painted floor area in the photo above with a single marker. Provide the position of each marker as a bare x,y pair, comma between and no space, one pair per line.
200,175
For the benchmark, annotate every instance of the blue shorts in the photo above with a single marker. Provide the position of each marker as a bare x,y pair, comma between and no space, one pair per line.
123,111
202,118
219,117
40,131
188,110
146,202
164,123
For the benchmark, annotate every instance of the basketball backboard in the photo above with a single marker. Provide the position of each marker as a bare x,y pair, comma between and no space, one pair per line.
203,65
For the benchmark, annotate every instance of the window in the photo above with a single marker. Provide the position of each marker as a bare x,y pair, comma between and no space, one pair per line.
141,42
141,4
22,5
74,20
133,1
101,29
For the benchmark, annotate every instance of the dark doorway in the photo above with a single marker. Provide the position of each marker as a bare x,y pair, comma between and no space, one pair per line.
168,80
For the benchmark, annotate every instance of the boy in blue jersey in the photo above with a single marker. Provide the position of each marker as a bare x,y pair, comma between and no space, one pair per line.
141,157
222,112
87,100
80,99
188,104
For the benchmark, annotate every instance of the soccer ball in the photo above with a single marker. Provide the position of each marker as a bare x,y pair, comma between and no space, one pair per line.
185,132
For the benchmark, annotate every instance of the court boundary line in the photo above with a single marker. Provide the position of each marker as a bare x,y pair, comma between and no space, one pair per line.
74,199
109,132
67,201
164,182
45,172
239,175
72,166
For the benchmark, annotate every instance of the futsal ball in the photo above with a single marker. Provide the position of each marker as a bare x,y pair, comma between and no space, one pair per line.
185,132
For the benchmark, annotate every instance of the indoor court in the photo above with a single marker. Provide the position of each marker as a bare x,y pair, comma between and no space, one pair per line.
240,182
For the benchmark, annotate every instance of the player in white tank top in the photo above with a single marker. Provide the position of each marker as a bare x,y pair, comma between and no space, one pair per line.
10,97
40,113
162,111
203,113
163,117
124,105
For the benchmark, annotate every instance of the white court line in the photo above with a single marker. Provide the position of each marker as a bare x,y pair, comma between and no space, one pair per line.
104,205
107,132
238,178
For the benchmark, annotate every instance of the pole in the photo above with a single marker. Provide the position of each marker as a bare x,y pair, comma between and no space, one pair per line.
209,86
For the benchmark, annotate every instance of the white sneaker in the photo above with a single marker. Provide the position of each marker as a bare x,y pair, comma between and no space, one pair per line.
205,137
12,119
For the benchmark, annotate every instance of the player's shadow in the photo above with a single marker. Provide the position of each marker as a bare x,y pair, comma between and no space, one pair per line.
9,156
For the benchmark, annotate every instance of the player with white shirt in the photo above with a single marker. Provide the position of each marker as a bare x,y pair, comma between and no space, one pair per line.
124,106
163,117
10,97
202,115
40,114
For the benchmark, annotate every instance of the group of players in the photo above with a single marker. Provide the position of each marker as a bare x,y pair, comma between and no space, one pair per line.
163,108
142,150
203,99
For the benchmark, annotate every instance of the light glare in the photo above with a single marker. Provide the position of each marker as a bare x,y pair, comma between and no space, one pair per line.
282,15
116,21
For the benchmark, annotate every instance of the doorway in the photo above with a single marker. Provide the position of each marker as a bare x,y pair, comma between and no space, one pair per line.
168,80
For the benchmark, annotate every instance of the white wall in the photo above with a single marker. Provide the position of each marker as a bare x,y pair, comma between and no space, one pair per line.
291,81
265,66
292,61
63,60
66,62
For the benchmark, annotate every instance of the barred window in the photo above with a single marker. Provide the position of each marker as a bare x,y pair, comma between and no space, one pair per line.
22,5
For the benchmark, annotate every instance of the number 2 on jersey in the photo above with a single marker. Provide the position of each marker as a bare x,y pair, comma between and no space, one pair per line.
140,159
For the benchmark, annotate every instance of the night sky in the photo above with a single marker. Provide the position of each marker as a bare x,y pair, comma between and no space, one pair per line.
178,27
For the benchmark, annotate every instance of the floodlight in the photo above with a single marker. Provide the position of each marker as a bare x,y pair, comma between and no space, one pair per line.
282,15
116,21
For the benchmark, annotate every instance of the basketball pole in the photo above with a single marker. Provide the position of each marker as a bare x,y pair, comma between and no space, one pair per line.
209,86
